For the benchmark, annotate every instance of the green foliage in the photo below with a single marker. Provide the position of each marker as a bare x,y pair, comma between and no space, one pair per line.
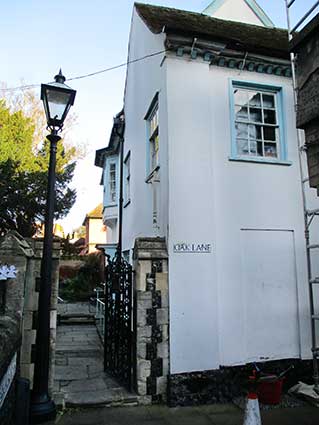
67,248
81,287
16,133
23,175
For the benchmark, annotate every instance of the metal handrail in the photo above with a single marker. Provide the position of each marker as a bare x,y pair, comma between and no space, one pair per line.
99,312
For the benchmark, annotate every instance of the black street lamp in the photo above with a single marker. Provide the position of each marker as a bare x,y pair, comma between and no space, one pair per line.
57,98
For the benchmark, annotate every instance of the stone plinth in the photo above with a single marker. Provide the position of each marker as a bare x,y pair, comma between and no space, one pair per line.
31,307
151,315
14,251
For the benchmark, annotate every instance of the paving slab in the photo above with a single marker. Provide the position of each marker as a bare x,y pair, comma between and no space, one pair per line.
80,379
86,361
97,397
70,373
84,385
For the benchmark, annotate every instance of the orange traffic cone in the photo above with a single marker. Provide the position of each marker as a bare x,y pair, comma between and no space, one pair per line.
252,412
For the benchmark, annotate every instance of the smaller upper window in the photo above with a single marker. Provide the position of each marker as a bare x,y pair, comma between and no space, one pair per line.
154,138
127,178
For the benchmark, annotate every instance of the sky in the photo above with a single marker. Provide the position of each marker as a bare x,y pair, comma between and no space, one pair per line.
40,36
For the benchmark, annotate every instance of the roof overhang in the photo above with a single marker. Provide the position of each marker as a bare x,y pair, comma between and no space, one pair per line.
271,42
304,35
113,145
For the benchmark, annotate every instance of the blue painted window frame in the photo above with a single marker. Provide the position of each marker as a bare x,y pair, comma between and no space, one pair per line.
127,178
153,105
280,97
110,160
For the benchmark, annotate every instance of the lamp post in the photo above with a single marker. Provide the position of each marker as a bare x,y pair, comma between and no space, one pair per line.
57,98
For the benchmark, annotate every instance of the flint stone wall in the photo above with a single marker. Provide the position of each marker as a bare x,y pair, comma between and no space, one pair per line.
227,383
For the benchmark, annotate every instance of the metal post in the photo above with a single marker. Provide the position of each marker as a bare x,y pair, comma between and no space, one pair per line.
42,407
119,245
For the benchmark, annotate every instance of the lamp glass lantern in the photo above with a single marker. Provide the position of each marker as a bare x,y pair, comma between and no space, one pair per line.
57,99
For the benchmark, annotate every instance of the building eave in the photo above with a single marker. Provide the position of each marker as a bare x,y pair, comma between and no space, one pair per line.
111,149
219,53
253,38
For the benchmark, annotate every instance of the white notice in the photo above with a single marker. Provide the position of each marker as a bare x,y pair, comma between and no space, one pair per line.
195,248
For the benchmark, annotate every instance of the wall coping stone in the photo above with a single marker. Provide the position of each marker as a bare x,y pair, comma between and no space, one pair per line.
150,249
13,242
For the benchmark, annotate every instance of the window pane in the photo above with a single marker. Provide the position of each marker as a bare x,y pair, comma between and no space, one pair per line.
242,147
260,149
271,150
269,133
154,121
253,147
269,116
255,115
268,101
254,99
241,130
241,97
256,148
241,113
255,132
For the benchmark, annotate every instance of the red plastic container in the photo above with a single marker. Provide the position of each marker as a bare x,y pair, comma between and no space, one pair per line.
270,391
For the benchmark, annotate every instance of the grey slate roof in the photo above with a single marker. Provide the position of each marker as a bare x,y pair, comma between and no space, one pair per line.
267,41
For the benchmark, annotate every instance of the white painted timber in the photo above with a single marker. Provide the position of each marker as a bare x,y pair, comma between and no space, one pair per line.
235,10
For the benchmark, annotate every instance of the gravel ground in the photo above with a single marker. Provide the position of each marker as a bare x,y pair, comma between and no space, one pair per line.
286,401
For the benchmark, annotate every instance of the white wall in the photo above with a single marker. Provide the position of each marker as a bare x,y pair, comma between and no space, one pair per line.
212,200
144,79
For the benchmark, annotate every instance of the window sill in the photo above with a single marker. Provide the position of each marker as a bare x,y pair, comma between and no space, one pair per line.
260,160
152,174
126,203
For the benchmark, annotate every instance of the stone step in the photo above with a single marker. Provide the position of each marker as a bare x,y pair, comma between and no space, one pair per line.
99,398
76,315
76,320
71,351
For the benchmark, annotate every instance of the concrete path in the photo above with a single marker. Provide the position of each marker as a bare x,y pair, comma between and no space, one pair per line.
203,415
79,376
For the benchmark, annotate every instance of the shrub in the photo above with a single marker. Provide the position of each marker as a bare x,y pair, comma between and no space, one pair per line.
80,287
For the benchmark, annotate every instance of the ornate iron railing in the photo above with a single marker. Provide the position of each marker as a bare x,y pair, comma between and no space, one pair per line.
118,320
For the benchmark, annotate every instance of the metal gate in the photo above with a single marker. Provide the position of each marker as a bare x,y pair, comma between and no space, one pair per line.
118,334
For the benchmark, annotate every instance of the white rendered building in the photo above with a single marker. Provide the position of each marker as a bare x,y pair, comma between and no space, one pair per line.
211,165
